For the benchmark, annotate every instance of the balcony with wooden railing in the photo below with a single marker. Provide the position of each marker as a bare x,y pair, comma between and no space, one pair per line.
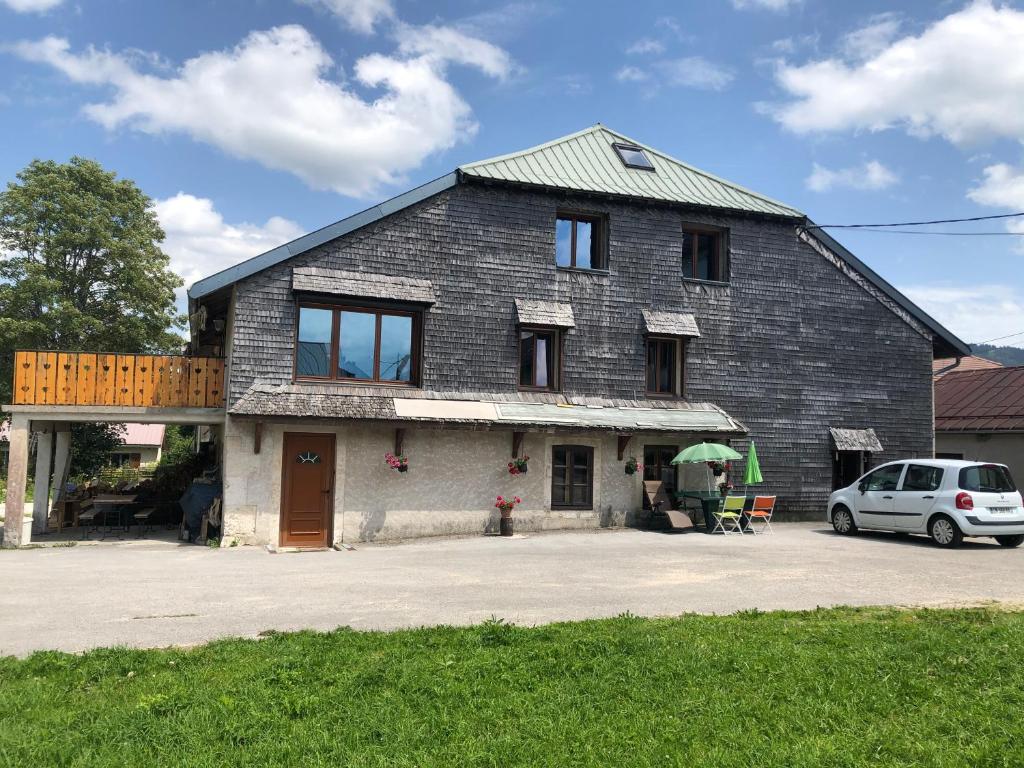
99,379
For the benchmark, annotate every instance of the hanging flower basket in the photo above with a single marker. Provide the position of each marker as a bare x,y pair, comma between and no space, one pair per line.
633,466
718,468
518,466
397,463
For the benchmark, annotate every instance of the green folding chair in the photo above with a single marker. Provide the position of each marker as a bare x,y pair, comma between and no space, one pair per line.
729,517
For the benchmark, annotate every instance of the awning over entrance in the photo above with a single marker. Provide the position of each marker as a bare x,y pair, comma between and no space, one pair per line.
522,410
855,439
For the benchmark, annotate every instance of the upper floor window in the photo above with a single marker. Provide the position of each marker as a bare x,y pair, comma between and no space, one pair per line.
538,358
664,366
704,254
579,241
357,344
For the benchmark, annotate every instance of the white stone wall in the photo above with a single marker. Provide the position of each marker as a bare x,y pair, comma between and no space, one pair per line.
998,448
454,476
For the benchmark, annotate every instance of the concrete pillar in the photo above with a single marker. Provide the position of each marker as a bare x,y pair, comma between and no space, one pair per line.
61,457
44,462
17,475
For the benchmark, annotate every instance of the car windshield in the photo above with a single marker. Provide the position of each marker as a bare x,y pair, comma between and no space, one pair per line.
987,478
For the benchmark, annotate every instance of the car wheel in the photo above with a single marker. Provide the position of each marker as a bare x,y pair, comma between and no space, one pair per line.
1010,541
842,521
945,532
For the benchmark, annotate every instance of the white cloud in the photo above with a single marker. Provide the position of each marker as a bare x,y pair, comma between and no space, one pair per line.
631,75
360,15
873,38
646,45
270,99
31,6
961,78
974,313
695,72
770,5
200,243
1003,187
438,45
869,175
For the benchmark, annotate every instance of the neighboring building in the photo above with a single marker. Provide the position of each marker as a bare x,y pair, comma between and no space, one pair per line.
142,444
942,366
580,302
979,415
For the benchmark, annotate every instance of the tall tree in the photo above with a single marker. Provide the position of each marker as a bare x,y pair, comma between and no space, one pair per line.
81,266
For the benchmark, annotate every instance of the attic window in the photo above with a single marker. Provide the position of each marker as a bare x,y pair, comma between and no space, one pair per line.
633,157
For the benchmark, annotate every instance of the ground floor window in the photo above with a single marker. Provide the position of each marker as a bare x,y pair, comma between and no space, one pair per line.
658,466
572,477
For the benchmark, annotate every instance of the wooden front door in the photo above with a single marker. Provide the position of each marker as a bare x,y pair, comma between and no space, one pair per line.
307,489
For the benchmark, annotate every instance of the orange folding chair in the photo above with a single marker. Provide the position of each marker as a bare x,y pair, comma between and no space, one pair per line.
761,512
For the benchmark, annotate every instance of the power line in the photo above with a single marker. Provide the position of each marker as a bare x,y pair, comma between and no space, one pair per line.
1000,338
916,223
953,234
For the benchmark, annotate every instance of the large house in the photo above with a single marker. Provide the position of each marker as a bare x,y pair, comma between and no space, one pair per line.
582,302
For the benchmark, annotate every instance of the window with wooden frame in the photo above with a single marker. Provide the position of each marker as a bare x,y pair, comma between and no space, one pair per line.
580,241
572,477
704,254
539,358
350,343
665,366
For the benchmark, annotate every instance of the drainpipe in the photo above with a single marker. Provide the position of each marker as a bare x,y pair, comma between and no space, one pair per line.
948,368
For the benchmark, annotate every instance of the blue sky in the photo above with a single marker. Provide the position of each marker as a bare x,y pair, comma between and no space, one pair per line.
251,122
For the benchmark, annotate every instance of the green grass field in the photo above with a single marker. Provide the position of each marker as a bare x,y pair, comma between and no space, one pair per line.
825,688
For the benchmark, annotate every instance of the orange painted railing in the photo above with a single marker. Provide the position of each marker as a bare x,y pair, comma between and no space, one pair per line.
91,378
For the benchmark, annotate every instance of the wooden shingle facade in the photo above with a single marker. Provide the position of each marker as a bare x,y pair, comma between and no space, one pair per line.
797,338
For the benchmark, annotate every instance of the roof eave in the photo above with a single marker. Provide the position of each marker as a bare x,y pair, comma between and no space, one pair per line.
944,342
309,241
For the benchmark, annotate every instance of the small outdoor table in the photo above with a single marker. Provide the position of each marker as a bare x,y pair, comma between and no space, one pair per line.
120,504
712,502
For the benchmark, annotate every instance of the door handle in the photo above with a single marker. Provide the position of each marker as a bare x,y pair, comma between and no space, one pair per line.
927,497
887,497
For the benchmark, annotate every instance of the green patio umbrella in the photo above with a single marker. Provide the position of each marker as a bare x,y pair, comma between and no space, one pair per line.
752,474
705,452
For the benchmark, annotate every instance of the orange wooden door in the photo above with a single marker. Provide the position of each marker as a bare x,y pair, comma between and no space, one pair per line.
307,489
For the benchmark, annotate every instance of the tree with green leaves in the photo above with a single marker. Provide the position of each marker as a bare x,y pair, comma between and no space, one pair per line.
81,267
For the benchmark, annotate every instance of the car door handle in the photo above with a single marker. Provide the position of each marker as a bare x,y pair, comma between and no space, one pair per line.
927,497
887,497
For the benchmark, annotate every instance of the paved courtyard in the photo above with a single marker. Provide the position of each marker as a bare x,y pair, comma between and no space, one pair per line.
152,594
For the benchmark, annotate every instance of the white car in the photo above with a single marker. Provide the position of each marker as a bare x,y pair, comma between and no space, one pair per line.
943,498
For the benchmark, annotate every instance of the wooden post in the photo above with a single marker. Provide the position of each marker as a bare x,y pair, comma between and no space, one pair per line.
517,443
399,439
623,444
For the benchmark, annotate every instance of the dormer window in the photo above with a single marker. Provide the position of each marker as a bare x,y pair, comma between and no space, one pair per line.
633,157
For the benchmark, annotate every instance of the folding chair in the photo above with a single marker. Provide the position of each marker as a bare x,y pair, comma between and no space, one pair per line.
729,517
764,507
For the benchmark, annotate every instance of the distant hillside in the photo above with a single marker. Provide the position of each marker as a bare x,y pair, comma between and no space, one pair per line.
1004,355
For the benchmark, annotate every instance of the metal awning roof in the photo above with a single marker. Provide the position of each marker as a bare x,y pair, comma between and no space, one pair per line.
855,439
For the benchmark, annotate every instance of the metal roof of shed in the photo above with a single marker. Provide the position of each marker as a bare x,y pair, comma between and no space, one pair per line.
587,161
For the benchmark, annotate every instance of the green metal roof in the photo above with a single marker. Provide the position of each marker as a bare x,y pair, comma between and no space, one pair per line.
587,161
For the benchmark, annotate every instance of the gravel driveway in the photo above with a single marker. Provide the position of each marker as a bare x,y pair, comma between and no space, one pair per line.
151,594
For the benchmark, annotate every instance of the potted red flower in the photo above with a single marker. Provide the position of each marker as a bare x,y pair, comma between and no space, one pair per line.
633,466
518,465
507,506
398,463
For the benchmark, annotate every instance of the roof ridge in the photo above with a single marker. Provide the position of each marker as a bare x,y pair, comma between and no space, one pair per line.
694,169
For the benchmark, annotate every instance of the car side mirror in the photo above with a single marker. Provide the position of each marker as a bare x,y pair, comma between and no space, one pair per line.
862,487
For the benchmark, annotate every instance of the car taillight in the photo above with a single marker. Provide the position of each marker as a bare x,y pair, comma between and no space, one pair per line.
964,501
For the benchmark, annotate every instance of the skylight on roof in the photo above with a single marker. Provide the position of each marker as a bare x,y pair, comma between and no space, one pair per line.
633,157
